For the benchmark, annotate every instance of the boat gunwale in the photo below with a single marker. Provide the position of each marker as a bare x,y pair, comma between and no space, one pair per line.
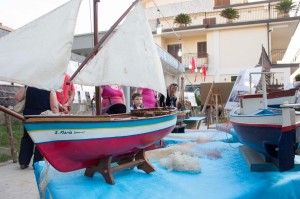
271,95
255,114
99,118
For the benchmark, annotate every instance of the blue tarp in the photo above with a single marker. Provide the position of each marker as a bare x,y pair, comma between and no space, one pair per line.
223,177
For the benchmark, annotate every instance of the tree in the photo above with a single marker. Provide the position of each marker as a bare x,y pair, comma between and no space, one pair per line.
284,7
183,19
230,14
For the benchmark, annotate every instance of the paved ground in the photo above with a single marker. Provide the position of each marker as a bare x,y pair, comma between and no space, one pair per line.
16,183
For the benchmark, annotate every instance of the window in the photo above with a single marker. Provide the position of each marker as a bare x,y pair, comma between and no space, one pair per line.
173,50
233,78
201,50
222,2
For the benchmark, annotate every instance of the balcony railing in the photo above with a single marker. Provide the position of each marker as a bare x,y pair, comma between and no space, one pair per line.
200,59
277,55
169,59
249,14
239,2
296,57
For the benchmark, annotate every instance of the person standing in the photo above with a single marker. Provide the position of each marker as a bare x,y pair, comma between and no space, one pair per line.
112,95
36,102
149,97
66,96
171,100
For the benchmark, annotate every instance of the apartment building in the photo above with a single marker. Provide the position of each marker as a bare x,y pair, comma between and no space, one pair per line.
224,48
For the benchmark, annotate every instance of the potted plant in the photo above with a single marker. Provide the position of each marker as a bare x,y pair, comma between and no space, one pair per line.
183,19
230,14
284,7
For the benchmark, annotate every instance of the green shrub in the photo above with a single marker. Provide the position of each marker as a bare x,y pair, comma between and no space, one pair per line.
230,13
183,18
297,78
17,133
284,6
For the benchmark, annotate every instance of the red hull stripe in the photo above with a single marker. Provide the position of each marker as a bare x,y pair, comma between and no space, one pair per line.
272,95
288,128
283,129
258,125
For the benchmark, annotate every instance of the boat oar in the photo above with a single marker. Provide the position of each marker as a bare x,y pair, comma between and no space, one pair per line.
12,113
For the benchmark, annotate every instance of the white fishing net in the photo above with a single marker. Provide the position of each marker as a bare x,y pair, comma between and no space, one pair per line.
177,157
44,179
181,162
49,174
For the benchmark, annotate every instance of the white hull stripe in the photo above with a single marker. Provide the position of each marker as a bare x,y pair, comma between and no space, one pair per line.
42,136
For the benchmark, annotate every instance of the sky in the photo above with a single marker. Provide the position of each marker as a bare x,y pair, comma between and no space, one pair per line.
16,13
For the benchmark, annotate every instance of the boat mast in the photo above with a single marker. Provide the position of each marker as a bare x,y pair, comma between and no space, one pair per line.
264,89
96,38
97,45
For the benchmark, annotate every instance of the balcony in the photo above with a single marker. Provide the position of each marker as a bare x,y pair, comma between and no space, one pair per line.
200,59
169,61
226,3
277,55
256,13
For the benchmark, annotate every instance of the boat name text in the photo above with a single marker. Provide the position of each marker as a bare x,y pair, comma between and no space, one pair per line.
68,132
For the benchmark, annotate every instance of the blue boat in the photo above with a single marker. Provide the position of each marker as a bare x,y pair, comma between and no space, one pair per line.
274,132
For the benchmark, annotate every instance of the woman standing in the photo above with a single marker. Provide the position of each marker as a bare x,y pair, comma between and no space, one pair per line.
111,95
36,102
171,100
148,96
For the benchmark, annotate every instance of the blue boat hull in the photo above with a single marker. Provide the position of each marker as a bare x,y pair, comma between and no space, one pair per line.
265,133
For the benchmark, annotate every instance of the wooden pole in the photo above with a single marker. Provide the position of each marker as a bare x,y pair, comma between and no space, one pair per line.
207,98
96,39
13,149
12,113
182,94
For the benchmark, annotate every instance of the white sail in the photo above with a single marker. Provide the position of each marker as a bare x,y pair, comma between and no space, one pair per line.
128,58
38,53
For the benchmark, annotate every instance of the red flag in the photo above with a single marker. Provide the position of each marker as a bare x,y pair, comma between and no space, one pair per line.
193,63
203,71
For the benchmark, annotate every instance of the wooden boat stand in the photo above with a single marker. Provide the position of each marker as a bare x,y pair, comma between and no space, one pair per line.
129,162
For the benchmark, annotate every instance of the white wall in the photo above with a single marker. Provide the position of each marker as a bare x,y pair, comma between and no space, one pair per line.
232,50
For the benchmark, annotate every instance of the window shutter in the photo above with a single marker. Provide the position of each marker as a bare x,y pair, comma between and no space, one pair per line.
173,50
201,50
